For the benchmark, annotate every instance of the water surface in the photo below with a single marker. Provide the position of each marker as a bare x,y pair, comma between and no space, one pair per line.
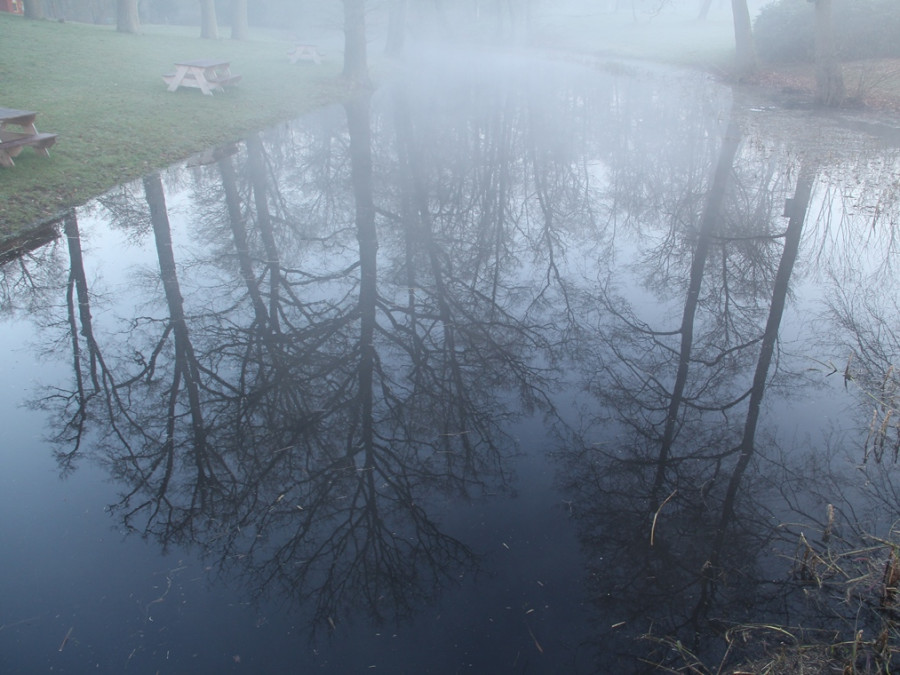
536,367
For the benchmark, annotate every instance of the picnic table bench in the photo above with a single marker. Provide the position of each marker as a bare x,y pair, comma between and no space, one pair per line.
305,52
12,142
207,75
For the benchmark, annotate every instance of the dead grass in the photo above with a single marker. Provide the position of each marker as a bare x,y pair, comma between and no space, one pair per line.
856,585
872,84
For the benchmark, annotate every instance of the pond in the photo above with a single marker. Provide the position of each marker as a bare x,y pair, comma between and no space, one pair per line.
525,366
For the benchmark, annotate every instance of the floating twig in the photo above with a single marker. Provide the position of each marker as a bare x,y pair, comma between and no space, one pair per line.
66,639
656,515
17,623
536,643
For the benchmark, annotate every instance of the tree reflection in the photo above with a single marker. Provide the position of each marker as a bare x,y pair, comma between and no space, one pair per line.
335,335
27,267
677,395
80,323
302,421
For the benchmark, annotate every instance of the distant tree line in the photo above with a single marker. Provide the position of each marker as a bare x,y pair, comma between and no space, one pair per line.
127,15
271,13
863,29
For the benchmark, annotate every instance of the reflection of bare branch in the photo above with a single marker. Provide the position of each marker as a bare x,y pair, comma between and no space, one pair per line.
867,322
302,421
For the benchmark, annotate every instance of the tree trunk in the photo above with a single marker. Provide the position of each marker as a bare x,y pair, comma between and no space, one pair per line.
745,50
396,31
239,25
33,9
127,17
355,63
830,90
208,24
704,9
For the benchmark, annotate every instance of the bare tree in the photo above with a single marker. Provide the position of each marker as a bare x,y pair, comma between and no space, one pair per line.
396,28
355,63
745,50
830,90
239,27
127,17
33,9
704,9
208,23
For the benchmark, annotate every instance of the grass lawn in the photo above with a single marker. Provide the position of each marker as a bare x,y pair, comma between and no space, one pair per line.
103,93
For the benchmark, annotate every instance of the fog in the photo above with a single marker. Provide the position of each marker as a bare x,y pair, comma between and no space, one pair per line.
488,20
541,355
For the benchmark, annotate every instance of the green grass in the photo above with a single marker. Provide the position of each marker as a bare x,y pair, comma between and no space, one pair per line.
103,93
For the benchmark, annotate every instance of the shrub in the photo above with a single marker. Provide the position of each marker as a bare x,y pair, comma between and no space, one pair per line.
785,29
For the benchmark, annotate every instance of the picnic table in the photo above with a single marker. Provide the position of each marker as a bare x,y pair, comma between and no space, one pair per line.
23,134
207,75
305,52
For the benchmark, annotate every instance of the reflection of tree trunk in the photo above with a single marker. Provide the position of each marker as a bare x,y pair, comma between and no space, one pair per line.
257,165
712,214
830,90
359,127
186,367
241,245
767,350
412,163
78,279
102,380
497,197
549,235
77,293
747,447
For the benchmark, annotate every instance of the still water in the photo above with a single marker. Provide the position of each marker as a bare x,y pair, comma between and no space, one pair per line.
532,368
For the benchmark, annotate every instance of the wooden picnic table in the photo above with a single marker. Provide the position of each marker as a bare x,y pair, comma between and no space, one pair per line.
24,134
207,75
20,118
305,52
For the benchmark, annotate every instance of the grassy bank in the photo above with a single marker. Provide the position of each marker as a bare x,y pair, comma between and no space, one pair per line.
101,91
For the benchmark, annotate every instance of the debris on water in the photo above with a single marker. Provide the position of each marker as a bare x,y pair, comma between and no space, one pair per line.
66,638
656,516
536,643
